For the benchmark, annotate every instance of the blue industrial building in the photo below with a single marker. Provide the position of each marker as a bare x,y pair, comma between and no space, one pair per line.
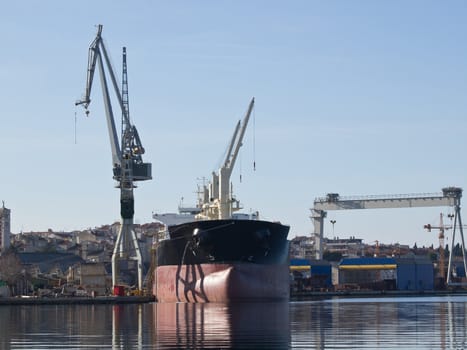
415,273
366,273
410,273
311,274
405,274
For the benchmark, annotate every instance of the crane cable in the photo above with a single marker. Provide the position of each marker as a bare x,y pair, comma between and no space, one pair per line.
254,145
254,139
240,155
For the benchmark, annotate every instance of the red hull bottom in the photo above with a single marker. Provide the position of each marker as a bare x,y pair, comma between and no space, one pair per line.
221,282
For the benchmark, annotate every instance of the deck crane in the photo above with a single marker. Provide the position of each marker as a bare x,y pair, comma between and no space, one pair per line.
128,165
220,203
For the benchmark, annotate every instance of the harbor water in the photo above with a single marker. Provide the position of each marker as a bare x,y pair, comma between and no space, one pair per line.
430,322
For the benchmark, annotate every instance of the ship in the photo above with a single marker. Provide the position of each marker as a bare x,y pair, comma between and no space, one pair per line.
210,253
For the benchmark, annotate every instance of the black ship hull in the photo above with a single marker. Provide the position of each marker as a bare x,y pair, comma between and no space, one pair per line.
221,261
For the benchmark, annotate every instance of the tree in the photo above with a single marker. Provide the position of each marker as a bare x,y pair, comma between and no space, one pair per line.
457,250
10,269
332,256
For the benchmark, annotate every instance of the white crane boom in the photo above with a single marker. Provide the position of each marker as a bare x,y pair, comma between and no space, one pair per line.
230,164
95,57
225,172
231,145
217,202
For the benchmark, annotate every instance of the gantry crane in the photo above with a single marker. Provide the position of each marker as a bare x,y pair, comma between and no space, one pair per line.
450,196
217,199
128,165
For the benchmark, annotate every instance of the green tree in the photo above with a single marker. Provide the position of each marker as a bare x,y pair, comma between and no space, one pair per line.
332,256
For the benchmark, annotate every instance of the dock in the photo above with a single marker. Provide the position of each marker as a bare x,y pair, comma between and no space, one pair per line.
309,295
116,300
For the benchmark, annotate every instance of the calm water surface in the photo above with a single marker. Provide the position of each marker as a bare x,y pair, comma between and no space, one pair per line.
340,323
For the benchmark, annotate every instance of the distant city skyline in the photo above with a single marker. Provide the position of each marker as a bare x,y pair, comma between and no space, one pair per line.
356,98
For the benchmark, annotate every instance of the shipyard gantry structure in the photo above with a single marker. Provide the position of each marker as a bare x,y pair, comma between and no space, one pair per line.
449,196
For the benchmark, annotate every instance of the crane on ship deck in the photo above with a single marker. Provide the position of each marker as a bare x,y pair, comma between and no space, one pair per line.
218,202
128,166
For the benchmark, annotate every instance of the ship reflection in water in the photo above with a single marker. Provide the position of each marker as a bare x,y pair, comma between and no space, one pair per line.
222,326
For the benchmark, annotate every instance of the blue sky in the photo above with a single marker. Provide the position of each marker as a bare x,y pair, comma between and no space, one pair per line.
353,97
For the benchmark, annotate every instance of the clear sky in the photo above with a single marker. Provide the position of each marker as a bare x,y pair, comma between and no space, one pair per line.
353,97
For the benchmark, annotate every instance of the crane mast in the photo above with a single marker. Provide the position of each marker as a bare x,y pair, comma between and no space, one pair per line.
441,228
127,162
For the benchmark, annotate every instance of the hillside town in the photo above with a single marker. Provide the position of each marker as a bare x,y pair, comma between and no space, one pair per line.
52,263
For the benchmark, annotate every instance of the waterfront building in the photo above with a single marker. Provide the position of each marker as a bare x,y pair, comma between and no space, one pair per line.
348,247
310,275
301,247
93,278
413,273
366,273
4,228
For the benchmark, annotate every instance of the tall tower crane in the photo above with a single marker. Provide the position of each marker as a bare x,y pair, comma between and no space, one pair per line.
221,203
128,166
441,228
